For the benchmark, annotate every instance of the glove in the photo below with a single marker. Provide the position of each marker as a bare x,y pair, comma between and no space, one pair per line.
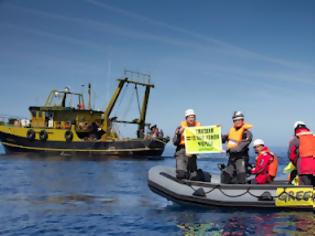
249,168
221,166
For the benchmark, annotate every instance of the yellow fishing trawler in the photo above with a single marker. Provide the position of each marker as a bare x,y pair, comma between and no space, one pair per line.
56,128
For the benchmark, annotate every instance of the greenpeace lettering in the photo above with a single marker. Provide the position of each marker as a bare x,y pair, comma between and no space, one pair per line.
203,139
288,197
296,196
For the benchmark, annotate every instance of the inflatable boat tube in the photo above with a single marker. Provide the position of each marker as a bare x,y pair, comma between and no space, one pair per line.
163,181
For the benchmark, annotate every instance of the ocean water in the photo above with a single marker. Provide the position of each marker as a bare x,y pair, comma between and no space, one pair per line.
70,196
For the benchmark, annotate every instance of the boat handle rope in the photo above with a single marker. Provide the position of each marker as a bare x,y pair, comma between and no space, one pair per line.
239,195
277,196
218,187
212,189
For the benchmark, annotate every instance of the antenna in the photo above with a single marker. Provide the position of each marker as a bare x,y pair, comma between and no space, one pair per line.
89,92
109,71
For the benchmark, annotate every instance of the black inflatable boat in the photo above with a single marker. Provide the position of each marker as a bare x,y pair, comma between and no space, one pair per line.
162,180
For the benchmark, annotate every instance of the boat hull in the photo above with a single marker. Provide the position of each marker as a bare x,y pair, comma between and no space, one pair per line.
163,182
130,147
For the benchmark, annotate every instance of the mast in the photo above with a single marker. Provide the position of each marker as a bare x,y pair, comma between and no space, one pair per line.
112,102
144,106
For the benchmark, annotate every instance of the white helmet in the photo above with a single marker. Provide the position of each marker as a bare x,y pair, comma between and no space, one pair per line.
297,123
189,112
258,142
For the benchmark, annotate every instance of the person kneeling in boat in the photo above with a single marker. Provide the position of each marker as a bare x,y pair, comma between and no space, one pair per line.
266,164
302,153
186,165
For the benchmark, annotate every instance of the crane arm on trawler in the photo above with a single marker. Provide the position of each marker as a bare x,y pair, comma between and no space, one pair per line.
141,121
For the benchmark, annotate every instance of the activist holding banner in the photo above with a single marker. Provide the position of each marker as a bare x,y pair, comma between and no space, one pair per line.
238,140
302,153
186,165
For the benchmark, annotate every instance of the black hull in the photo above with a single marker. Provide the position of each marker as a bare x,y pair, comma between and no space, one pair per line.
132,147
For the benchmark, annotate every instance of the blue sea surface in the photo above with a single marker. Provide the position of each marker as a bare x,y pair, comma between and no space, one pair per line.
109,196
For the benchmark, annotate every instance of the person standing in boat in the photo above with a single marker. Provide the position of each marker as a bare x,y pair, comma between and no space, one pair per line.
154,131
238,140
186,165
302,153
266,164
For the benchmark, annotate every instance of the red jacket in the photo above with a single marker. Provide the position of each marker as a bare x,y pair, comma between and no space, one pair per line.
263,161
304,165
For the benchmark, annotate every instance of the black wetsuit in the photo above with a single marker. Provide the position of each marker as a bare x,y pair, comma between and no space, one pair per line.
235,171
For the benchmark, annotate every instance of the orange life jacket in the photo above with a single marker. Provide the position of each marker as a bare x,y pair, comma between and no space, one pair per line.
236,135
273,165
307,144
184,124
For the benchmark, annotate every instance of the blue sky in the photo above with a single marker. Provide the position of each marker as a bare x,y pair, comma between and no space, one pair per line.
213,56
